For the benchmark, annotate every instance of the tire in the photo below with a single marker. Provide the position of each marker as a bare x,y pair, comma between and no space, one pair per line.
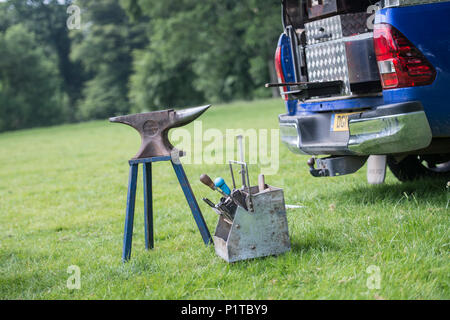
415,167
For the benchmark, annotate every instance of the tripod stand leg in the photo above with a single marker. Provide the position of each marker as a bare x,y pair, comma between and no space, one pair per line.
148,206
184,183
129,219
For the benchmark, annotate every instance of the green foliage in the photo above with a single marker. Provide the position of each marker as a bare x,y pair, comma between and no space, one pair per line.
136,55
47,20
155,85
30,86
221,50
104,48
5,17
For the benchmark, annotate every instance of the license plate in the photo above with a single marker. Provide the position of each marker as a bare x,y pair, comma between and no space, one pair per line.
339,121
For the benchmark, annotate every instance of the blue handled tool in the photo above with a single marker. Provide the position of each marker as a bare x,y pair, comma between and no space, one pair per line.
220,183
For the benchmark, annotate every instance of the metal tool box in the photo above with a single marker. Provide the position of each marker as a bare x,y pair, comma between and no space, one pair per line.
340,56
320,8
361,61
336,27
258,233
252,220
341,48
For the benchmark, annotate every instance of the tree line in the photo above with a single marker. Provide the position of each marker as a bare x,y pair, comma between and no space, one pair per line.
130,56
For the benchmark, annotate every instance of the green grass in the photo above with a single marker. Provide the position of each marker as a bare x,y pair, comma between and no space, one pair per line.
62,203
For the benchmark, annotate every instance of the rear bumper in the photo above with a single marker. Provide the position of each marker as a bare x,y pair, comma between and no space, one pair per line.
388,129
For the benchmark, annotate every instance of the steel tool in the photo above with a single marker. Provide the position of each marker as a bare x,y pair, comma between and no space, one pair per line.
209,202
242,159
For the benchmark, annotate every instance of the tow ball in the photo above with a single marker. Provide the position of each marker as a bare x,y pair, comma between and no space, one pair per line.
335,166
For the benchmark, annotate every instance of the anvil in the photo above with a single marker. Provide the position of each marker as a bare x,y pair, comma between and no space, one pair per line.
154,128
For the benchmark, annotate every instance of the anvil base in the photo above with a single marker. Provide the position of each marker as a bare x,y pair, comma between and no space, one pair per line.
148,203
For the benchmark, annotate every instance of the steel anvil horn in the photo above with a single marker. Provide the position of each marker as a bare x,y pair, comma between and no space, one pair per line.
154,128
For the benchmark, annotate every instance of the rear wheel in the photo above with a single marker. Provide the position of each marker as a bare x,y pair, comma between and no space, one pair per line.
414,167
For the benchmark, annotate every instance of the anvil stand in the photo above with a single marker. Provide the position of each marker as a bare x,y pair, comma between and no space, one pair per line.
148,203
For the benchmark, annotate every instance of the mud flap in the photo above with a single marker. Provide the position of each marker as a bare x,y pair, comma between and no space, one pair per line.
376,169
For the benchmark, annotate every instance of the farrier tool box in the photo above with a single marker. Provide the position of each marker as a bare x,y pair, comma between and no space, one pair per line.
258,233
252,220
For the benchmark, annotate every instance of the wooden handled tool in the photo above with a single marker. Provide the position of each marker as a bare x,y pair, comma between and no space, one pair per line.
262,183
206,180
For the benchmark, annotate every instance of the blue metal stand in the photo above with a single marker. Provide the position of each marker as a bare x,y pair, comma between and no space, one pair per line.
148,203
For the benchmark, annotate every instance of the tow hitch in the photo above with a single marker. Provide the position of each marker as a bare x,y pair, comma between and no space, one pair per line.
335,166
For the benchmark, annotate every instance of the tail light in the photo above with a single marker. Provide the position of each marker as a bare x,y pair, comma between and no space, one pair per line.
280,73
400,63
284,64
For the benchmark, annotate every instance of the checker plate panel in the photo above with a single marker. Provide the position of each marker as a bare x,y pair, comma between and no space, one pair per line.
328,62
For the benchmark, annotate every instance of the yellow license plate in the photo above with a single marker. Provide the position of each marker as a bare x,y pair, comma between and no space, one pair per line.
340,121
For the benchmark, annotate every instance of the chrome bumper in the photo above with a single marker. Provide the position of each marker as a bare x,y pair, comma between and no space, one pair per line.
389,134
389,129
290,137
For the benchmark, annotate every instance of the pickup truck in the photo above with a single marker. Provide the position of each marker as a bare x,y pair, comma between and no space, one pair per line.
367,81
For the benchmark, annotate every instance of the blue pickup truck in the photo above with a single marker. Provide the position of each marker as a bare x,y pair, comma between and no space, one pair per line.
367,81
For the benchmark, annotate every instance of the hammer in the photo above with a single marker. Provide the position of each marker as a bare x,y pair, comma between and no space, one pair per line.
206,180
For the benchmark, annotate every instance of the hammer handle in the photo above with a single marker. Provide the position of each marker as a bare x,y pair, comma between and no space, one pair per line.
261,183
206,180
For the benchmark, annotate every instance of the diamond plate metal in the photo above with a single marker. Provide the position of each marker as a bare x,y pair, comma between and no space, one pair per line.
403,3
327,62
330,26
354,23
336,27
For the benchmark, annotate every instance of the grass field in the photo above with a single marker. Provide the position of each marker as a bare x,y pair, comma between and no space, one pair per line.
62,203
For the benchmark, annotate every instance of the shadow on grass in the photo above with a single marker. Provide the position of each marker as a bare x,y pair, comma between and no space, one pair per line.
297,246
20,281
301,245
420,191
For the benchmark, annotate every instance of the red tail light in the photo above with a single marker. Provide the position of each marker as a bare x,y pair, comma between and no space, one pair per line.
401,64
280,73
